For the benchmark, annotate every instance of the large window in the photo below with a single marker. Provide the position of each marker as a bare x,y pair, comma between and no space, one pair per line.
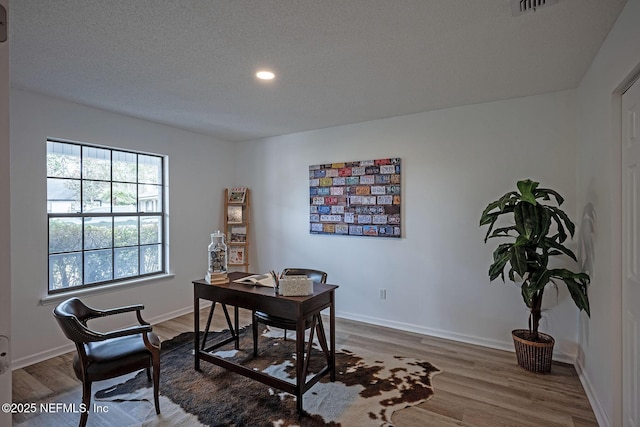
106,213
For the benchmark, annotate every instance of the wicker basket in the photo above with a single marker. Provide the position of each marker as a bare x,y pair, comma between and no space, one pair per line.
533,356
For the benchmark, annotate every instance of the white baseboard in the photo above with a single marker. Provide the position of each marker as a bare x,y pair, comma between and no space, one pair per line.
469,339
176,313
500,345
42,356
601,415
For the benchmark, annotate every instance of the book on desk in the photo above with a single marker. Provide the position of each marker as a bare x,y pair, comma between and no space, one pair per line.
216,278
265,279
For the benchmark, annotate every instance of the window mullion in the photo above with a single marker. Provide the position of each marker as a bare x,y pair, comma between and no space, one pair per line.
138,208
113,224
82,251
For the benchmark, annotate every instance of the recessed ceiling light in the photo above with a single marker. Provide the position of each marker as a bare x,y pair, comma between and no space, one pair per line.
265,75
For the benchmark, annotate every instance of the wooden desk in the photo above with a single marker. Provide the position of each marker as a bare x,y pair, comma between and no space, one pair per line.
263,299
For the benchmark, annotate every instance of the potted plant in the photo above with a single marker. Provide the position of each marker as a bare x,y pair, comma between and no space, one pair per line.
536,232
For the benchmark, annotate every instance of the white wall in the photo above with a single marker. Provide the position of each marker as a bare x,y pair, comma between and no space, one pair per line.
455,162
598,190
199,169
5,226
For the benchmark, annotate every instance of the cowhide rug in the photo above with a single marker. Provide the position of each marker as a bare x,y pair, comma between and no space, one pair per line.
369,387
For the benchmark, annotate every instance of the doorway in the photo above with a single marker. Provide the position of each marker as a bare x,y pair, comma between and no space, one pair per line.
631,256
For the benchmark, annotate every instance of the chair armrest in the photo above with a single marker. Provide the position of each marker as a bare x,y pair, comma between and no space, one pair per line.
118,310
133,330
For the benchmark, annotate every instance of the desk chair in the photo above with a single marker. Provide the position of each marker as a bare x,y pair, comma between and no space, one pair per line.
279,322
104,355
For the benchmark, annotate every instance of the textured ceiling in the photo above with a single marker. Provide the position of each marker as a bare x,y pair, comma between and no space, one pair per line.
191,64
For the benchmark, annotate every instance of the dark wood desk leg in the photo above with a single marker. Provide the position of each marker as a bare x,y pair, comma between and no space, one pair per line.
237,326
206,328
332,336
300,380
234,332
254,330
196,328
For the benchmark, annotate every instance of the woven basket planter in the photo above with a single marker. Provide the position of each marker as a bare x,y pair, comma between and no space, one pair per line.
533,356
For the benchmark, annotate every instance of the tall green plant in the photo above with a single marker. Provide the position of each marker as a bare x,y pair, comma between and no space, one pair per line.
535,239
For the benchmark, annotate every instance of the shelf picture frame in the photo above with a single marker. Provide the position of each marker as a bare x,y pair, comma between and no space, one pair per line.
238,234
237,195
234,214
237,255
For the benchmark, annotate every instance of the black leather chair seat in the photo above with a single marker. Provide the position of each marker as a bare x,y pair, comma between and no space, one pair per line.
116,356
120,347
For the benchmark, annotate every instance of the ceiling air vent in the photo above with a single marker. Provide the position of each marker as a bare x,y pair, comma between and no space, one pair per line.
518,7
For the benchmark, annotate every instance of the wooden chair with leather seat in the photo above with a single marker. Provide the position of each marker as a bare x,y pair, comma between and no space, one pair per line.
104,355
279,322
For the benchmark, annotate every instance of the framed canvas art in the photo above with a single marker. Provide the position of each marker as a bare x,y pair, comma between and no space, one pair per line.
360,198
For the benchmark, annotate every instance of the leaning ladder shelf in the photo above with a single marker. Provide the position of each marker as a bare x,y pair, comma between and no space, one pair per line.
236,227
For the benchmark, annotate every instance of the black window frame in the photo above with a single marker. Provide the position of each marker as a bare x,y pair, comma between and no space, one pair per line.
140,213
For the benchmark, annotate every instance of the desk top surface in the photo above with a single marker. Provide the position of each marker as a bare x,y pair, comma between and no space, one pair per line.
318,288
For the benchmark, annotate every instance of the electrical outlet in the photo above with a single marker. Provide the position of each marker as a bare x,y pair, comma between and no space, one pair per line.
383,294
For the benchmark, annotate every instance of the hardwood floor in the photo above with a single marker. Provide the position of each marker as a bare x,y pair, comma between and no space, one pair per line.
479,386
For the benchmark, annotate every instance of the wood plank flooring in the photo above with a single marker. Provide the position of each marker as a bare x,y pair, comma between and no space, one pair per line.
479,386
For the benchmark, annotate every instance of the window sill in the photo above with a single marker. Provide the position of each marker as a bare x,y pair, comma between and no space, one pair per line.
56,298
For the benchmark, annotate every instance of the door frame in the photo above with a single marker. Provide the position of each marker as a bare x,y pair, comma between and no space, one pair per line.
5,226
619,249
